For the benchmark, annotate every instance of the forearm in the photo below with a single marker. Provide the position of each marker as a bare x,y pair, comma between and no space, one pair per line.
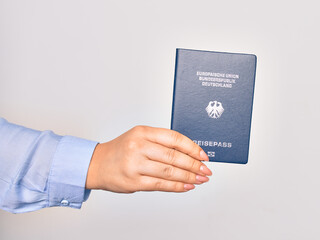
41,169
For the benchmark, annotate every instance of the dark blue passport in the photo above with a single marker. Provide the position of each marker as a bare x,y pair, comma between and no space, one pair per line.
212,102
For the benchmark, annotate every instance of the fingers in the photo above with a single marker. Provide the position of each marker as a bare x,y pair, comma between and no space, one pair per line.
173,139
169,172
157,152
157,184
169,161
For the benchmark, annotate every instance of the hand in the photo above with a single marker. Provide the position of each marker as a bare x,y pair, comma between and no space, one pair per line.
147,159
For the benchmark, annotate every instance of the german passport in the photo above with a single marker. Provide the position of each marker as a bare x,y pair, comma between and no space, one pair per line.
212,102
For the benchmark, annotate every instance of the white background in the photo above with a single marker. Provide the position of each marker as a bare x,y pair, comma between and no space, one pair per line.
94,69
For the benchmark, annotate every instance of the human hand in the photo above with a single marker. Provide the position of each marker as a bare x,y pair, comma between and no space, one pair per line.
147,159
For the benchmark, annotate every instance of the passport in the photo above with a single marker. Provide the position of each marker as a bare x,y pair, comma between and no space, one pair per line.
212,102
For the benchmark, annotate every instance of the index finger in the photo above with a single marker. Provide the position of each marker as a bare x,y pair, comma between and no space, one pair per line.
176,140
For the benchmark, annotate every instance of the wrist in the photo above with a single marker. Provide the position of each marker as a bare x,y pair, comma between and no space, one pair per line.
92,181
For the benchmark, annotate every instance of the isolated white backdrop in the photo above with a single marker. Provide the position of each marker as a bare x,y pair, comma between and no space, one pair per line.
94,69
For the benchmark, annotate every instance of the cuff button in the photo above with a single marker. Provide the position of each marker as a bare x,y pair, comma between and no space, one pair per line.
64,202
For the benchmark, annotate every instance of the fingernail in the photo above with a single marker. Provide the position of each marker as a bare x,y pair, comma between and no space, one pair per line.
205,170
204,156
202,178
189,187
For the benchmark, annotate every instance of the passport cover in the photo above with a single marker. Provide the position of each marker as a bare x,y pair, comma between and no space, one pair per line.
212,102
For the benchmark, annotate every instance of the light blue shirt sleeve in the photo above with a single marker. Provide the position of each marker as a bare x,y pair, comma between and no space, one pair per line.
42,169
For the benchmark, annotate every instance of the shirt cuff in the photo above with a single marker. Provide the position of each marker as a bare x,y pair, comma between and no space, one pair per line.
68,174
